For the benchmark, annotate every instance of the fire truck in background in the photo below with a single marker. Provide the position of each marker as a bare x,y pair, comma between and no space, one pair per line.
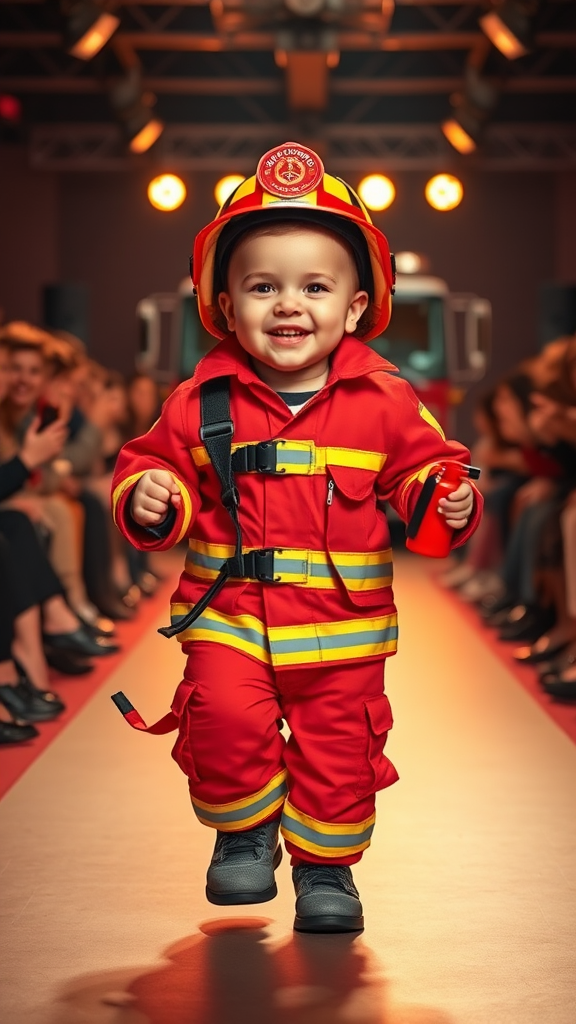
439,340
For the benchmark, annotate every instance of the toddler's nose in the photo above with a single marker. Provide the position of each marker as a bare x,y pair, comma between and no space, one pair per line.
288,304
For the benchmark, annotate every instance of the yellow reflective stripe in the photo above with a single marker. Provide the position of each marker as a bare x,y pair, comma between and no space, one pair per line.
122,488
236,826
187,507
240,814
322,642
186,500
353,458
358,570
324,838
242,632
304,458
430,419
422,475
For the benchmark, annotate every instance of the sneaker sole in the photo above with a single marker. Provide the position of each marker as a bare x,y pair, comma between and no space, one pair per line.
329,923
233,899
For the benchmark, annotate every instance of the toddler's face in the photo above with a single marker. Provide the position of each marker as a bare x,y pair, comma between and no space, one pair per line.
291,296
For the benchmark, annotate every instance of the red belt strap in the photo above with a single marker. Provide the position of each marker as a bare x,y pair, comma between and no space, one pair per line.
164,725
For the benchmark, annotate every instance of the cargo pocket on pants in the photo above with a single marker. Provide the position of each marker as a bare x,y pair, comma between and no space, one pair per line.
182,749
377,771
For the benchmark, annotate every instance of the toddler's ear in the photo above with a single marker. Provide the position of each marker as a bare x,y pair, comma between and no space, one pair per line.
225,303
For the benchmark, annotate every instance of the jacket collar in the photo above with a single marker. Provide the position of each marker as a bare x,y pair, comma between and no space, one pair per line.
352,358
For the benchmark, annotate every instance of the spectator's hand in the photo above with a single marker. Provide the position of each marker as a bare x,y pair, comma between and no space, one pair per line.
153,495
457,507
42,446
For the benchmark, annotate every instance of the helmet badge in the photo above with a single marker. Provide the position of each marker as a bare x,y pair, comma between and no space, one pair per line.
290,171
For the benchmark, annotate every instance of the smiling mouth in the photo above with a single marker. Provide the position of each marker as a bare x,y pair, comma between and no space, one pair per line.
288,332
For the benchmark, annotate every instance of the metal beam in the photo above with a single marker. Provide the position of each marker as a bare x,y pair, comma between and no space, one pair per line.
350,148
238,86
195,41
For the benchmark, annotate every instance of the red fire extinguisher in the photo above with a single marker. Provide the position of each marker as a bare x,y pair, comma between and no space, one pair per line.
428,532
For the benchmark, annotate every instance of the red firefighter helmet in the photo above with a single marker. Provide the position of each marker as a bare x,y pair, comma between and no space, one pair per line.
292,177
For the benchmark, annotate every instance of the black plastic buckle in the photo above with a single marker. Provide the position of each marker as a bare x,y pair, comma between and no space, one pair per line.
256,458
224,429
259,565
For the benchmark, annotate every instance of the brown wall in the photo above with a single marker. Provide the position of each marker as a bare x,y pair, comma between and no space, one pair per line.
29,235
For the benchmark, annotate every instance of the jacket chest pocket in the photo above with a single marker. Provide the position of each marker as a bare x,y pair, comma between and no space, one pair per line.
357,535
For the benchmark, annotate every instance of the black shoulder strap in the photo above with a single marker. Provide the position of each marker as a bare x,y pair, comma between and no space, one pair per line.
216,432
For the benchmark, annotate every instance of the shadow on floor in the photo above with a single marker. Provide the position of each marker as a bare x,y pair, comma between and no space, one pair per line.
231,973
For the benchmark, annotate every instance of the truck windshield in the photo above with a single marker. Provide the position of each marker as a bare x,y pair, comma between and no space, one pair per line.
414,340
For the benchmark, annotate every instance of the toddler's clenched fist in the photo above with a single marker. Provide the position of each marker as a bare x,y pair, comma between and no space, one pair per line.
153,495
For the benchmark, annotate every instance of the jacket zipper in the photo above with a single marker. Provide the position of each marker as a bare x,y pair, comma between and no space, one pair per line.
330,496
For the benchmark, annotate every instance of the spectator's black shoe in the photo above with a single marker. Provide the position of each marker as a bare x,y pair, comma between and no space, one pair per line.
81,642
66,663
559,688
27,707
26,687
548,670
242,866
538,652
326,899
491,604
529,624
16,732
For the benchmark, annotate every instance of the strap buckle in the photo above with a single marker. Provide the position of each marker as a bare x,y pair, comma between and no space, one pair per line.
259,565
256,458
225,428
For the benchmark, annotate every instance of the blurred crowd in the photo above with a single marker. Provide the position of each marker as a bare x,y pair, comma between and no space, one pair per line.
519,569
67,576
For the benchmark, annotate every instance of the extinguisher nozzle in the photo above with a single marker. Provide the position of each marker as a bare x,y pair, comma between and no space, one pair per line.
473,472
122,703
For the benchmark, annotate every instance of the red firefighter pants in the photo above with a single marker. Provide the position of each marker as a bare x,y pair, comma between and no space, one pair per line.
322,780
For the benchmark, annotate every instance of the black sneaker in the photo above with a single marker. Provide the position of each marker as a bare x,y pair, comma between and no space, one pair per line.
242,866
326,899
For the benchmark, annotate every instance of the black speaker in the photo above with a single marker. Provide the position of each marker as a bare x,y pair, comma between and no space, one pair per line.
66,309
557,311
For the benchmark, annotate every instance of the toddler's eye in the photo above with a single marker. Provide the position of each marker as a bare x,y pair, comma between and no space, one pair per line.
315,288
262,288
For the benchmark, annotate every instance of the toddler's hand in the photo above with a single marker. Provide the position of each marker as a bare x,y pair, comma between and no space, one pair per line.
457,507
154,493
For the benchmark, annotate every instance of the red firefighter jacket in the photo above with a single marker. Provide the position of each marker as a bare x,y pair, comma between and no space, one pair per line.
363,439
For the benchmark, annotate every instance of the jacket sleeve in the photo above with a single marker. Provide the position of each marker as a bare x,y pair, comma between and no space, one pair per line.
165,446
416,445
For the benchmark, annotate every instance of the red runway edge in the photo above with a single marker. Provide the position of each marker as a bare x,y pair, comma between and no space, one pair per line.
76,691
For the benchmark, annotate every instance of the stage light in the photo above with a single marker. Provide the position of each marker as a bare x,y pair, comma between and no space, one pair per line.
509,27
167,192
376,192
10,109
411,263
133,107
457,136
143,129
444,192
226,186
471,110
88,29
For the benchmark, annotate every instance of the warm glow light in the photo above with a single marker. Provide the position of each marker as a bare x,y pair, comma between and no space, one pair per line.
147,136
457,137
226,186
96,37
377,192
410,263
167,192
444,192
501,36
